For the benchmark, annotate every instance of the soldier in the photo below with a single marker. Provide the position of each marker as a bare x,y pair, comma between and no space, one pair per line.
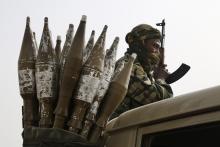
147,82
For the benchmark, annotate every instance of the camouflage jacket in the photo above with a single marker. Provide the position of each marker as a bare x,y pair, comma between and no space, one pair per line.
143,89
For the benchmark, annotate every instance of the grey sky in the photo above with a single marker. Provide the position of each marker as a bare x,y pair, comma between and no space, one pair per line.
192,36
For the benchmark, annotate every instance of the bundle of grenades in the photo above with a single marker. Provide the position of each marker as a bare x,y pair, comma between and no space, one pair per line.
69,95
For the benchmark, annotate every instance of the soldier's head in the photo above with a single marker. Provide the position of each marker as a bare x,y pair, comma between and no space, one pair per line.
145,41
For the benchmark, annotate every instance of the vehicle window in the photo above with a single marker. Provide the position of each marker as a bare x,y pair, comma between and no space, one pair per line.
197,136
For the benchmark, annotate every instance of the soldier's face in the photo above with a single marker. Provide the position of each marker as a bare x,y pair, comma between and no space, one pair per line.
152,50
152,46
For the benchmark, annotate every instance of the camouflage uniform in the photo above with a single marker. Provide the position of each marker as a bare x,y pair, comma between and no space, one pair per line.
143,87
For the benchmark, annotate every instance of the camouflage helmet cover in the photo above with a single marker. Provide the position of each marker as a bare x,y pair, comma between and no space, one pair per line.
142,32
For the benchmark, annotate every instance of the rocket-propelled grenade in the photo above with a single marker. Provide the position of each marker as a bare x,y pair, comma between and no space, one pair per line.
35,42
89,46
26,75
58,49
114,96
66,48
71,74
46,75
58,53
109,66
88,83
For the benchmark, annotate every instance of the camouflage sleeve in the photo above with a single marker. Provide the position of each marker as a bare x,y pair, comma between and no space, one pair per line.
164,89
144,89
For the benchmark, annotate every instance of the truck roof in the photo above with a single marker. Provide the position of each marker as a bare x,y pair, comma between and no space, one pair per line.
194,103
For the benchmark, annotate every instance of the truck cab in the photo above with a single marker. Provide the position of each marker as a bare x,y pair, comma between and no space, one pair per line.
187,120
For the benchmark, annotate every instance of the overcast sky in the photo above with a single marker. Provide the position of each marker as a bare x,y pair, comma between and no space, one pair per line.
192,37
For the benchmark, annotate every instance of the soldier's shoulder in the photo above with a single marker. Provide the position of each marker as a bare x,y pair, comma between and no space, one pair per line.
137,69
125,59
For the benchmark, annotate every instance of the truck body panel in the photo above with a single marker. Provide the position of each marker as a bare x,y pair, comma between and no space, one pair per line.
201,108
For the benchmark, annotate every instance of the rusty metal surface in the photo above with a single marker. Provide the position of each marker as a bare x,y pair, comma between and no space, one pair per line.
87,50
66,49
26,75
109,66
71,74
46,77
115,94
88,83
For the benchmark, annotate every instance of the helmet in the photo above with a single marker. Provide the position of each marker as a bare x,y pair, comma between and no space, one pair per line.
142,32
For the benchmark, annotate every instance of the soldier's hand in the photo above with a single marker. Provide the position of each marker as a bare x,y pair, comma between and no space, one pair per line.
161,72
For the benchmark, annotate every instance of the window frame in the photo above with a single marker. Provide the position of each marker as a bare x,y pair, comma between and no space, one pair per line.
193,120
